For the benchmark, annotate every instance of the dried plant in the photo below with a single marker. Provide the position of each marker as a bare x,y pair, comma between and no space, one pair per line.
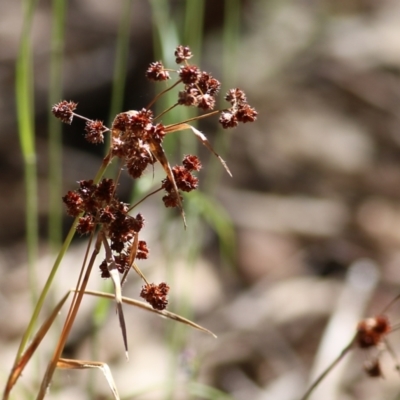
370,335
136,139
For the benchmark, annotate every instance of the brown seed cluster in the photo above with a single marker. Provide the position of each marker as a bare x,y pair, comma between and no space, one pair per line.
182,53
156,295
200,88
64,110
239,112
371,331
97,205
157,72
136,139
184,179
133,133
95,131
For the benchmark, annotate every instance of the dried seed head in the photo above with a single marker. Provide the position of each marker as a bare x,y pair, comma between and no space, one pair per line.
190,74
188,97
206,102
156,295
64,111
239,112
236,96
157,72
246,113
370,331
182,53
142,251
208,84
170,200
105,190
74,203
228,120
191,163
154,133
95,131
85,225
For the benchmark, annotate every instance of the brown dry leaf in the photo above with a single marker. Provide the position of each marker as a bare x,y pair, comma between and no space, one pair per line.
203,139
114,274
159,153
147,307
23,361
64,363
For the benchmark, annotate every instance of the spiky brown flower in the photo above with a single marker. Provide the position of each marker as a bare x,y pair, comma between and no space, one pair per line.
182,53
64,110
188,97
95,131
190,74
246,113
156,72
74,203
236,96
191,163
156,295
371,331
228,120
142,251
86,225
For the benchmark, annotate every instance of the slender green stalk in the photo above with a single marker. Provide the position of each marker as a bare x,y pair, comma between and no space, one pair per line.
165,39
193,36
55,128
193,26
52,274
26,131
117,100
230,48
121,60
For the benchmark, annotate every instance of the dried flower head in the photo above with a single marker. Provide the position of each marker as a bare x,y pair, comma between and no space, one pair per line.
95,131
182,53
156,295
371,331
137,140
156,72
64,110
190,74
142,251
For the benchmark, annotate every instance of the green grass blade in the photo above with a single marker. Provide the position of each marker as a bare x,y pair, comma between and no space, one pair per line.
26,131
193,28
121,61
218,219
55,128
193,37
230,49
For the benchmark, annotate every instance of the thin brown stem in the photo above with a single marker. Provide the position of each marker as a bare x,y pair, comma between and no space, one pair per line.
165,111
162,93
89,120
328,369
391,303
80,276
144,198
68,324
169,128
392,354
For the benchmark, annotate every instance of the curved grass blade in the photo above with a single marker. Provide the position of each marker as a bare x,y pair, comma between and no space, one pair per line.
147,307
203,139
64,363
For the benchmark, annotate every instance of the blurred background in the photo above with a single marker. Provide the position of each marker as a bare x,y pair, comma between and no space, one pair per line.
280,261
